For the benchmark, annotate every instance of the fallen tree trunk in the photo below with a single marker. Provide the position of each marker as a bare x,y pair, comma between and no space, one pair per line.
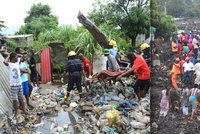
93,29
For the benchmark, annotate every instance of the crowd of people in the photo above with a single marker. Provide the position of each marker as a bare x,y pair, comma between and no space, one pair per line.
185,72
24,76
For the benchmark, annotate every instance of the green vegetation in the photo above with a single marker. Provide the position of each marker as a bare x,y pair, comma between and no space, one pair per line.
132,17
164,24
180,8
39,20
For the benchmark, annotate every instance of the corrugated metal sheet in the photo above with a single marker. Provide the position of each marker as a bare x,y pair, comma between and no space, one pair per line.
45,66
5,102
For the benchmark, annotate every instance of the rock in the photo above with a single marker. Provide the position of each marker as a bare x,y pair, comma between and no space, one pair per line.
121,96
4,123
20,119
73,104
142,118
138,125
87,108
154,125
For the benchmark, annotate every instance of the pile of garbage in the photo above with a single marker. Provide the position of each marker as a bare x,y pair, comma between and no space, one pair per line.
105,108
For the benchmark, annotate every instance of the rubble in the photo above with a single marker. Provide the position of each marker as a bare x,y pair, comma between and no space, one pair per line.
114,111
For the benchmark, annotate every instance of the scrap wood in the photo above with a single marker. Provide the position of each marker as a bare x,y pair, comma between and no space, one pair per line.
93,29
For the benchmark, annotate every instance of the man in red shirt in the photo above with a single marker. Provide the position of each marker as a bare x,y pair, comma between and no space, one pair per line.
142,71
87,66
179,47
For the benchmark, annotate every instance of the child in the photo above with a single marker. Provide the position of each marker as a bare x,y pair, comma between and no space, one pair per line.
164,104
12,61
185,99
193,99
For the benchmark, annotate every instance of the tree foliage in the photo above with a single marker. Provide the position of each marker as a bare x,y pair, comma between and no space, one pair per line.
39,19
130,16
180,8
164,24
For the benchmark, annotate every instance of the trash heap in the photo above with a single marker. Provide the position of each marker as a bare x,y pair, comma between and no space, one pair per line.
111,109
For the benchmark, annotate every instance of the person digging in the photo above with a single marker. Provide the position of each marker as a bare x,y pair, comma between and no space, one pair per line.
142,71
75,71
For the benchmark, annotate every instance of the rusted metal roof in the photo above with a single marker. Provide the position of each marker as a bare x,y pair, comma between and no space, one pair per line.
5,101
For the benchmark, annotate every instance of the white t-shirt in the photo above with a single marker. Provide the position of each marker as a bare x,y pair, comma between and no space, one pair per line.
194,42
14,73
197,69
188,66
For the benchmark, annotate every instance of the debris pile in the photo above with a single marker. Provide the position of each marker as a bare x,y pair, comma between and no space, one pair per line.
104,109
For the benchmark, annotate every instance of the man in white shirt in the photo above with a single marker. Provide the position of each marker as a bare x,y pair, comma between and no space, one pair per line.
195,45
12,61
197,71
188,71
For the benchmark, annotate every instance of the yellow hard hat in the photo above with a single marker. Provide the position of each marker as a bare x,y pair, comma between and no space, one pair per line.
112,43
71,53
144,46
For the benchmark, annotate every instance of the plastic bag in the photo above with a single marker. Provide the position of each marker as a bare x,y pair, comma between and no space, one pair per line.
185,110
35,90
113,117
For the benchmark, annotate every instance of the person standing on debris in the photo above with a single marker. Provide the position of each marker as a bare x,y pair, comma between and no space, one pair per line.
179,47
75,70
164,103
142,71
24,68
175,72
195,45
197,72
87,66
194,92
188,71
12,61
145,49
192,57
190,45
185,50
198,53
174,46
87,69
113,50
185,99
34,74
112,64
21,52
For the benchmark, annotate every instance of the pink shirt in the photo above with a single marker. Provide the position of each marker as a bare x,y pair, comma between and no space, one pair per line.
190,46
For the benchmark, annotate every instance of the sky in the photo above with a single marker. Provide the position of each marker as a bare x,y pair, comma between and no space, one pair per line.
13,12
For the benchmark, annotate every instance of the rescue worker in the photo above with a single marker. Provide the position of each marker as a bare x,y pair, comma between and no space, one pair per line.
88,71
175,72
145,49
87,66
75,70
142,71
112,64
113,50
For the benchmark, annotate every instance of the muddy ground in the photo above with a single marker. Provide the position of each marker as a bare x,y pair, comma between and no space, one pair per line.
175,122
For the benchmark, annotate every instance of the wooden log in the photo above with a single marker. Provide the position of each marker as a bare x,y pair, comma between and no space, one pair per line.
93,29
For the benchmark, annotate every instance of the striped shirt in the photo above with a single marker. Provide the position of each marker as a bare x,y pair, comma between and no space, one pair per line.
194,91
